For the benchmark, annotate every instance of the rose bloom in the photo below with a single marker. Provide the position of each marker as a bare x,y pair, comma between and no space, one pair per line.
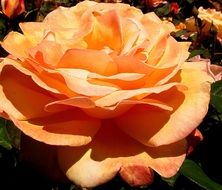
208,17
109,87
12,8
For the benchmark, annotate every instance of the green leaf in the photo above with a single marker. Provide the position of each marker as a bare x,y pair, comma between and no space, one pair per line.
172,180
216,95
194,172
3,28
179,33
204,52
164,10
4,139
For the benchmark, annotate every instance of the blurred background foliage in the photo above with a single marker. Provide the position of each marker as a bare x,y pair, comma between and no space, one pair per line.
202,168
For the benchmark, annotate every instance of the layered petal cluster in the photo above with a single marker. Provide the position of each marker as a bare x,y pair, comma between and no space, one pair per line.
109,86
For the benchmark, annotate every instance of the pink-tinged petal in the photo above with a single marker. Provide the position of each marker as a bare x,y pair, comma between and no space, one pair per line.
71,128
216,72
91,60
120,95
16,95
112,151
16,44
155,128
106,31
193,140
137,175
76,80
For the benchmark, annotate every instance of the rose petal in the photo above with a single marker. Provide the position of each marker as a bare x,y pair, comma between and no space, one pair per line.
48,52
137,175
79,101
120,95
72,128
91,60
34,31
190,106
111,151
131,64
106,31
216,72
21,105
46,79
12,44
76,80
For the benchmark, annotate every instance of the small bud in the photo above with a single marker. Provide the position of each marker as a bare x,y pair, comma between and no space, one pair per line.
137,175
12,8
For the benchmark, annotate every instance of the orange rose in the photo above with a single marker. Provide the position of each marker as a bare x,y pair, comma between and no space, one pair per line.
109,86
13,8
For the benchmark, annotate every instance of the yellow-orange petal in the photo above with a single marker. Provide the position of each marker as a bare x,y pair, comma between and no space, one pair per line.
16,95
105,31
122,107
155,128
34,31
112,150
78,101
71,128
120,95
12,44
91,60
47,53
45,80
76,80
131,64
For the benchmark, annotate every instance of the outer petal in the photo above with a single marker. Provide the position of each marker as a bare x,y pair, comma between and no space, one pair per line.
12,44
156,128
112,151
72,128
49,81
16,95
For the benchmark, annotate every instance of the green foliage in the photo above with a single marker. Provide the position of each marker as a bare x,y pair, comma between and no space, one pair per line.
194,172
216,95
164,10
4,137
